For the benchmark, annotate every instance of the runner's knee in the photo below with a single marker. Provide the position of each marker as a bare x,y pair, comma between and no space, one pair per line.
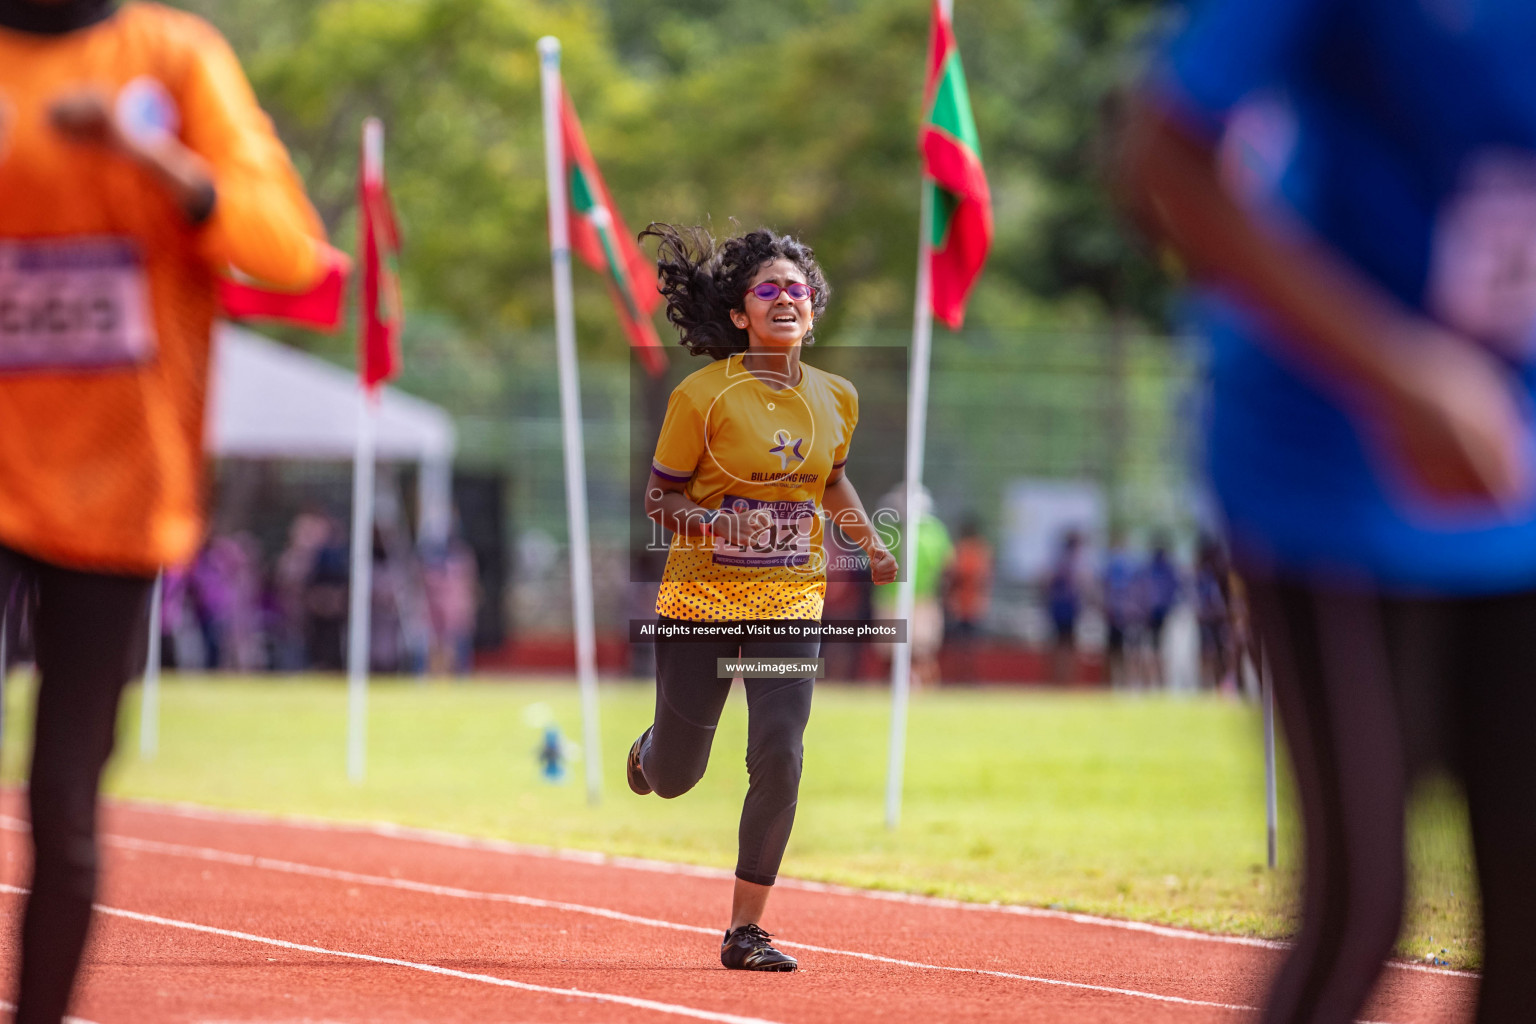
777,761
670,779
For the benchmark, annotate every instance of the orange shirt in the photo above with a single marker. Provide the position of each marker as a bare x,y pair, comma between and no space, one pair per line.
101,455
970,581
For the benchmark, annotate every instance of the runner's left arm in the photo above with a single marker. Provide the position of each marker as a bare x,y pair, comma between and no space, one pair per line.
846,509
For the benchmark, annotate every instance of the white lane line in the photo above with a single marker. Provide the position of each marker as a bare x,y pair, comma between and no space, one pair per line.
355,878
447,972
332,874
389,830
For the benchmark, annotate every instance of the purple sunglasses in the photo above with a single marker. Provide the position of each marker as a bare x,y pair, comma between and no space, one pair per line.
769,290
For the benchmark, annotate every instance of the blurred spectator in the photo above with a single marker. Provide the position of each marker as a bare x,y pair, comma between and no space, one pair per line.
968,595
244,642
1120,595
181,634
290,578
1211,612
453,598
1161,589
1064,590
1244,657
209,600
325,601
385,636
225,588
968,592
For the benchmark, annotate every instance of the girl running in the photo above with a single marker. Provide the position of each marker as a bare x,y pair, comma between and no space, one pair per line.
752,450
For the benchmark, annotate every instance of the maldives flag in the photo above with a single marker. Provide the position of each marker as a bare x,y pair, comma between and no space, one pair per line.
962,202
319,307
378,357
599,237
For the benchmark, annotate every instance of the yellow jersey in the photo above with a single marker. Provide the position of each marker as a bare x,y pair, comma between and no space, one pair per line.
740,444
108,294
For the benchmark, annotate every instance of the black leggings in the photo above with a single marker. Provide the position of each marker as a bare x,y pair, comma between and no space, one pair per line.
90,634
689,699
1372,690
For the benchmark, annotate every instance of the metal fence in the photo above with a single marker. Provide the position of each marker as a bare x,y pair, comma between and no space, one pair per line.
1115,412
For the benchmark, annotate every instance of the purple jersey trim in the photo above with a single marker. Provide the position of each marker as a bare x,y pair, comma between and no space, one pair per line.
670,474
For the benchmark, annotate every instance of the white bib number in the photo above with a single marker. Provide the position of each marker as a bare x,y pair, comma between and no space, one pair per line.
787,542
1482,276
79,303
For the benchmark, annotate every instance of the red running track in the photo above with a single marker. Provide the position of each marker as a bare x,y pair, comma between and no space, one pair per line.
210,917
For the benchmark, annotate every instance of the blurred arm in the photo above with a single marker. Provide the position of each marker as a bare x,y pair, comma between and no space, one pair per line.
1331,315
1449,409
262,224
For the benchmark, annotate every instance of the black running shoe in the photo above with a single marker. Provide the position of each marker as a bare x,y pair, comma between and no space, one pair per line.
747,949
632,770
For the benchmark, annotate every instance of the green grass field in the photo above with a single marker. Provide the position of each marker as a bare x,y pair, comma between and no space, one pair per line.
1146,807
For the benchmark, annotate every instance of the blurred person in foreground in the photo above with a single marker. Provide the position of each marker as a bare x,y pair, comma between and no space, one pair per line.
1353,182
135,166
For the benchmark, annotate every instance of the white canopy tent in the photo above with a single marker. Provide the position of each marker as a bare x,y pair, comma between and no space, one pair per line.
271,401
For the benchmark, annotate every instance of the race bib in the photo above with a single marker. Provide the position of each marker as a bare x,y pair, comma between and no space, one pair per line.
68,304
1482,277
787,542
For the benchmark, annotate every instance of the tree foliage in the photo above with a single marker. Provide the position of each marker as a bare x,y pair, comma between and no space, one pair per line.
801,116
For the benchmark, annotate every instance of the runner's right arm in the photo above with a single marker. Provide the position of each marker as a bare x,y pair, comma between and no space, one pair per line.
85,117
679,449
667,502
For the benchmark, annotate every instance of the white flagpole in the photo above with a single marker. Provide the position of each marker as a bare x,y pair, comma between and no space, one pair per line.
149,706
906,590
570,417
358,626
917,434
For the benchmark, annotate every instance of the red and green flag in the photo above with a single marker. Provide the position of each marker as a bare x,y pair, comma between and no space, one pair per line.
382,311
961,229
599,237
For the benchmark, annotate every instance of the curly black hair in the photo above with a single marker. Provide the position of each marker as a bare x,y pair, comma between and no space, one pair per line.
704,280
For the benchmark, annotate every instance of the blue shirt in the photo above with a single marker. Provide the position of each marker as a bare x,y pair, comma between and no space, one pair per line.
1121,606
1407,136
